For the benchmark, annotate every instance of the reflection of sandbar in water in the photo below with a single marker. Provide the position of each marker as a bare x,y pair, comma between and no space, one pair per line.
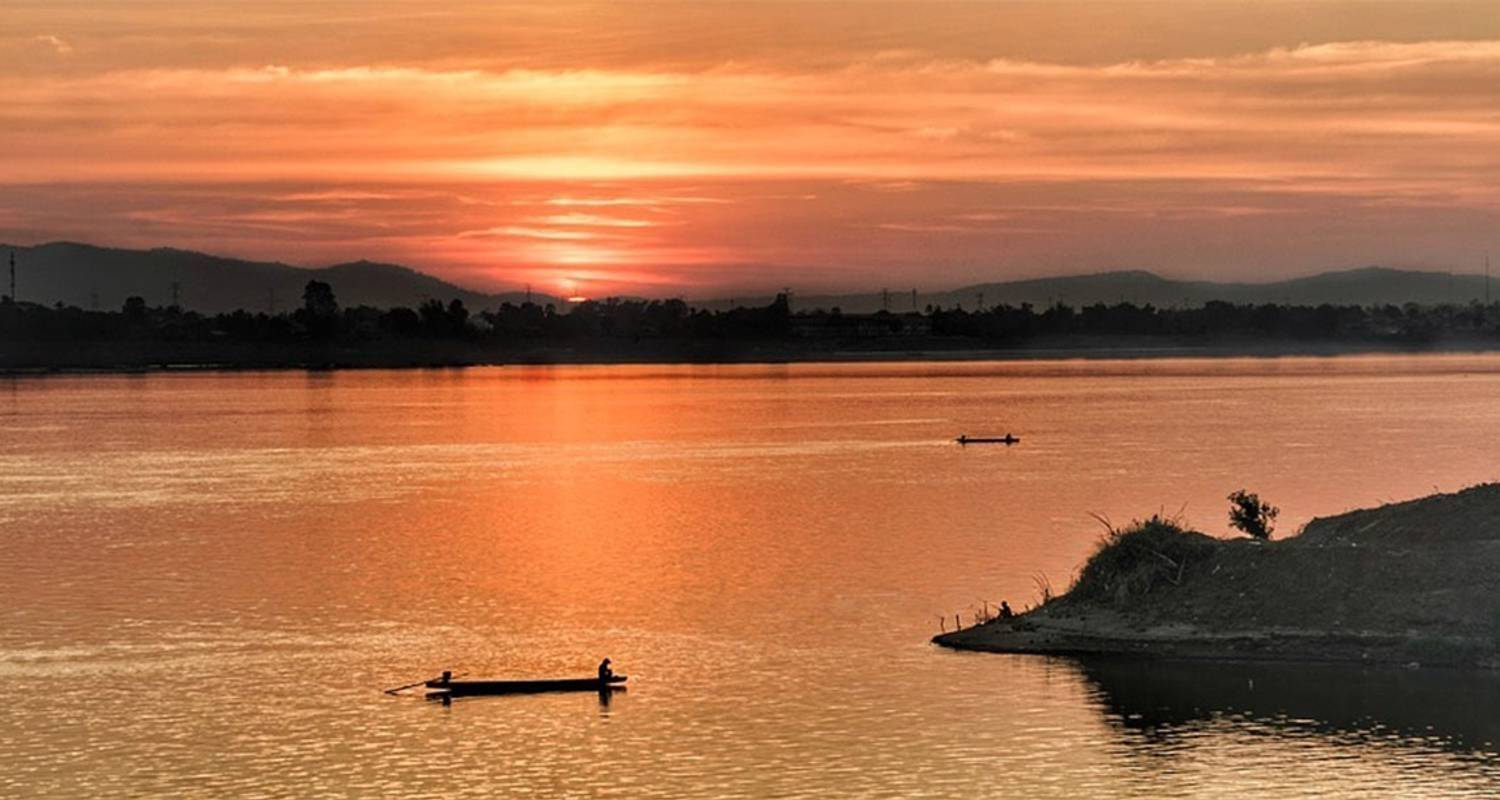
1456,709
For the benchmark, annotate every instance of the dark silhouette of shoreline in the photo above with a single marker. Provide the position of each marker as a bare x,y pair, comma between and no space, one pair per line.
322,334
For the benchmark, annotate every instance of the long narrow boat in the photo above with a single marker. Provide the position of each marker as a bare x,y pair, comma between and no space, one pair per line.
473,688
1006,439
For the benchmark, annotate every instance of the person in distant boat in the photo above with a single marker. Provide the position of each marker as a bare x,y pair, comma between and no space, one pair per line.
1005,612
605,673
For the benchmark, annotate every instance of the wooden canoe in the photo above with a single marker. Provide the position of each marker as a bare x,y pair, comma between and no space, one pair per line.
475,688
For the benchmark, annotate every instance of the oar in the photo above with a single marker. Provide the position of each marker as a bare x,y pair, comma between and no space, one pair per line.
399,689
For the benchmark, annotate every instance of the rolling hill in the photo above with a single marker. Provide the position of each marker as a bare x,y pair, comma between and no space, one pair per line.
1365,286
87,276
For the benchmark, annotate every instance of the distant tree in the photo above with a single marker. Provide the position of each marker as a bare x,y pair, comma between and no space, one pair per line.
458,316
401,321
320,311
434,316
318,300
135,307
1248,513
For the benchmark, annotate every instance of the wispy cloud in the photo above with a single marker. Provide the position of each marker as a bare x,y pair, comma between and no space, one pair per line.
58,45
596,221
653,201
529,233
1401,110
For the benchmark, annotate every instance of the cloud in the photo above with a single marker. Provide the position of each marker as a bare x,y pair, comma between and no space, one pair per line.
595,220
924,227
627,200
468,165
529,233
58,45
1400,110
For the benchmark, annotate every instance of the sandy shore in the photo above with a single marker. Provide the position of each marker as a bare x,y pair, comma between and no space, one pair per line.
1104,633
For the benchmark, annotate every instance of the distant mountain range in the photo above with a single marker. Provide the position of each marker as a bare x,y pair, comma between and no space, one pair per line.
87,276
1366,286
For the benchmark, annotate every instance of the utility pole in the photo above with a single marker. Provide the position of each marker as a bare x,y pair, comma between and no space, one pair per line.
528,294
979,304
13,276
176,294
271,300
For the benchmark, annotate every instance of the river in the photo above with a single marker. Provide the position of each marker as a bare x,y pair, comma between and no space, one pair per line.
206,579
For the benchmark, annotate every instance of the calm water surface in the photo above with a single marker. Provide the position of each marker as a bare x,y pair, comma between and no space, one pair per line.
206,579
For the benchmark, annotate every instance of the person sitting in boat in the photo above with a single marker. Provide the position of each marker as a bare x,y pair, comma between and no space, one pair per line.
605,673
1005,612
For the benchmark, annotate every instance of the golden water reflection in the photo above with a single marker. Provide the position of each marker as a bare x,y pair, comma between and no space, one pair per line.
209,577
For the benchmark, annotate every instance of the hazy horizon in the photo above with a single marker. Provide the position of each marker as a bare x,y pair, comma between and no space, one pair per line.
702,149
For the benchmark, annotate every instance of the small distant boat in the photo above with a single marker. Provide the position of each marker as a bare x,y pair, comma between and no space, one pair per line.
453,688
1006,439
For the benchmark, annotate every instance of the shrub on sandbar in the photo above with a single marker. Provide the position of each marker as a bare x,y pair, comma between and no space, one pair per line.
1140,558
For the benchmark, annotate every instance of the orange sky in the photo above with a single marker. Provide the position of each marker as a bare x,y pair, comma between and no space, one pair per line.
710,147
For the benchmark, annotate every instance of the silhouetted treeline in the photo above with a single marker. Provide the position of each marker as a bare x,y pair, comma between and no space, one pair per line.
320,319
320,324
1219,320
